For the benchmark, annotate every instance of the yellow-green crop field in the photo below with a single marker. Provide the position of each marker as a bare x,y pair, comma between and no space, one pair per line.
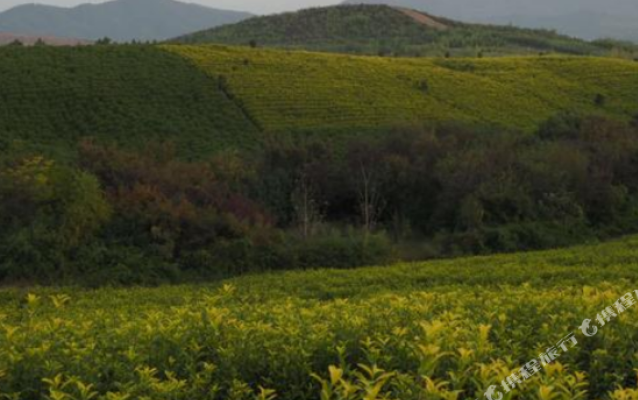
437,330
296,90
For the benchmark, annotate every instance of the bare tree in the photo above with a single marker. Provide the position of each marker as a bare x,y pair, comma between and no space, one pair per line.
370,200
307,211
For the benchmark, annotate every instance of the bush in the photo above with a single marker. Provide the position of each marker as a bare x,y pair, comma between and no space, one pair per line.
336,250
288,251
99,264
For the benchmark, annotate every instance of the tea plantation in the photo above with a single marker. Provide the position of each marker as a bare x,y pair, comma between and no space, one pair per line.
51,97
438,330
285,90
207,98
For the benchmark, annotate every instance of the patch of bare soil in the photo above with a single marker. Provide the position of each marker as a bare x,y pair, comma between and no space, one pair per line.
423,19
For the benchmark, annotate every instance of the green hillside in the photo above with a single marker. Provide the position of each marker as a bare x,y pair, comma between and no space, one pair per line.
205,98
380,29
437,330
51,97
292,91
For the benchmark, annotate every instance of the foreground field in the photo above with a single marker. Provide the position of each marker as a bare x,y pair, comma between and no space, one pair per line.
441,330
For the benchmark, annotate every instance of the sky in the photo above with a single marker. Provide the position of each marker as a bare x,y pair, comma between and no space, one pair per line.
255,6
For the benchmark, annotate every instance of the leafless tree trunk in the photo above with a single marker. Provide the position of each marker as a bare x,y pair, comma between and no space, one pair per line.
307,213
370,201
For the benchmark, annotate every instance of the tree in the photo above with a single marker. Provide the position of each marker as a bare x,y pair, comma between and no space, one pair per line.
48,212
304,203
171,205
105,41
364,163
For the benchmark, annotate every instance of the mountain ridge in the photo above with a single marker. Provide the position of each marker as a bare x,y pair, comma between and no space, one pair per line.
120,20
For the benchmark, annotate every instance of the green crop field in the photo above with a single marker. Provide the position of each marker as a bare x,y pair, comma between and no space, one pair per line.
436,330
51,97
286,91
206,98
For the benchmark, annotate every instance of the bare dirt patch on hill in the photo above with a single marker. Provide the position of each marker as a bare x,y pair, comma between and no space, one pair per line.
423,19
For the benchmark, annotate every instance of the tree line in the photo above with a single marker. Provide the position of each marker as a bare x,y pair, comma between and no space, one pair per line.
122,216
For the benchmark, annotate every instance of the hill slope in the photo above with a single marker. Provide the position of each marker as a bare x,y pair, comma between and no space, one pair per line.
209,97
379,29
51,97
485,317
589,19
121,20
286,91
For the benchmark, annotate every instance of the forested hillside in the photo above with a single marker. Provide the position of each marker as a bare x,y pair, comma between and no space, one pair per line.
589,19
384,30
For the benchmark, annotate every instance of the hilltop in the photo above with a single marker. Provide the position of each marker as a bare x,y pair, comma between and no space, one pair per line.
121,20
588,19
384,30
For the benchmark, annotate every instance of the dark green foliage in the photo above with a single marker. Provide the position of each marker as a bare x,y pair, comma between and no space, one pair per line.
47,212
382,30
600,100
147,217
471,191
105,41
131,95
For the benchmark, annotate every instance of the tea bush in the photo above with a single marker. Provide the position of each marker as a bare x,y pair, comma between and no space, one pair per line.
439,330
291,91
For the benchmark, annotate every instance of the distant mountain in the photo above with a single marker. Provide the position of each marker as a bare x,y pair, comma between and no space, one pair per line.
385,30
8,38
587,19
120,20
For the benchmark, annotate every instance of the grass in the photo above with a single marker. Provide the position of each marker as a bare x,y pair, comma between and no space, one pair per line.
402,330
299,91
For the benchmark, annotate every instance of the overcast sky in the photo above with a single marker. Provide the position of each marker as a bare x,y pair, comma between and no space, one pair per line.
255,6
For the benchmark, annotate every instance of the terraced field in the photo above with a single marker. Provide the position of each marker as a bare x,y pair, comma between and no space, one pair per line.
438,330
301,91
